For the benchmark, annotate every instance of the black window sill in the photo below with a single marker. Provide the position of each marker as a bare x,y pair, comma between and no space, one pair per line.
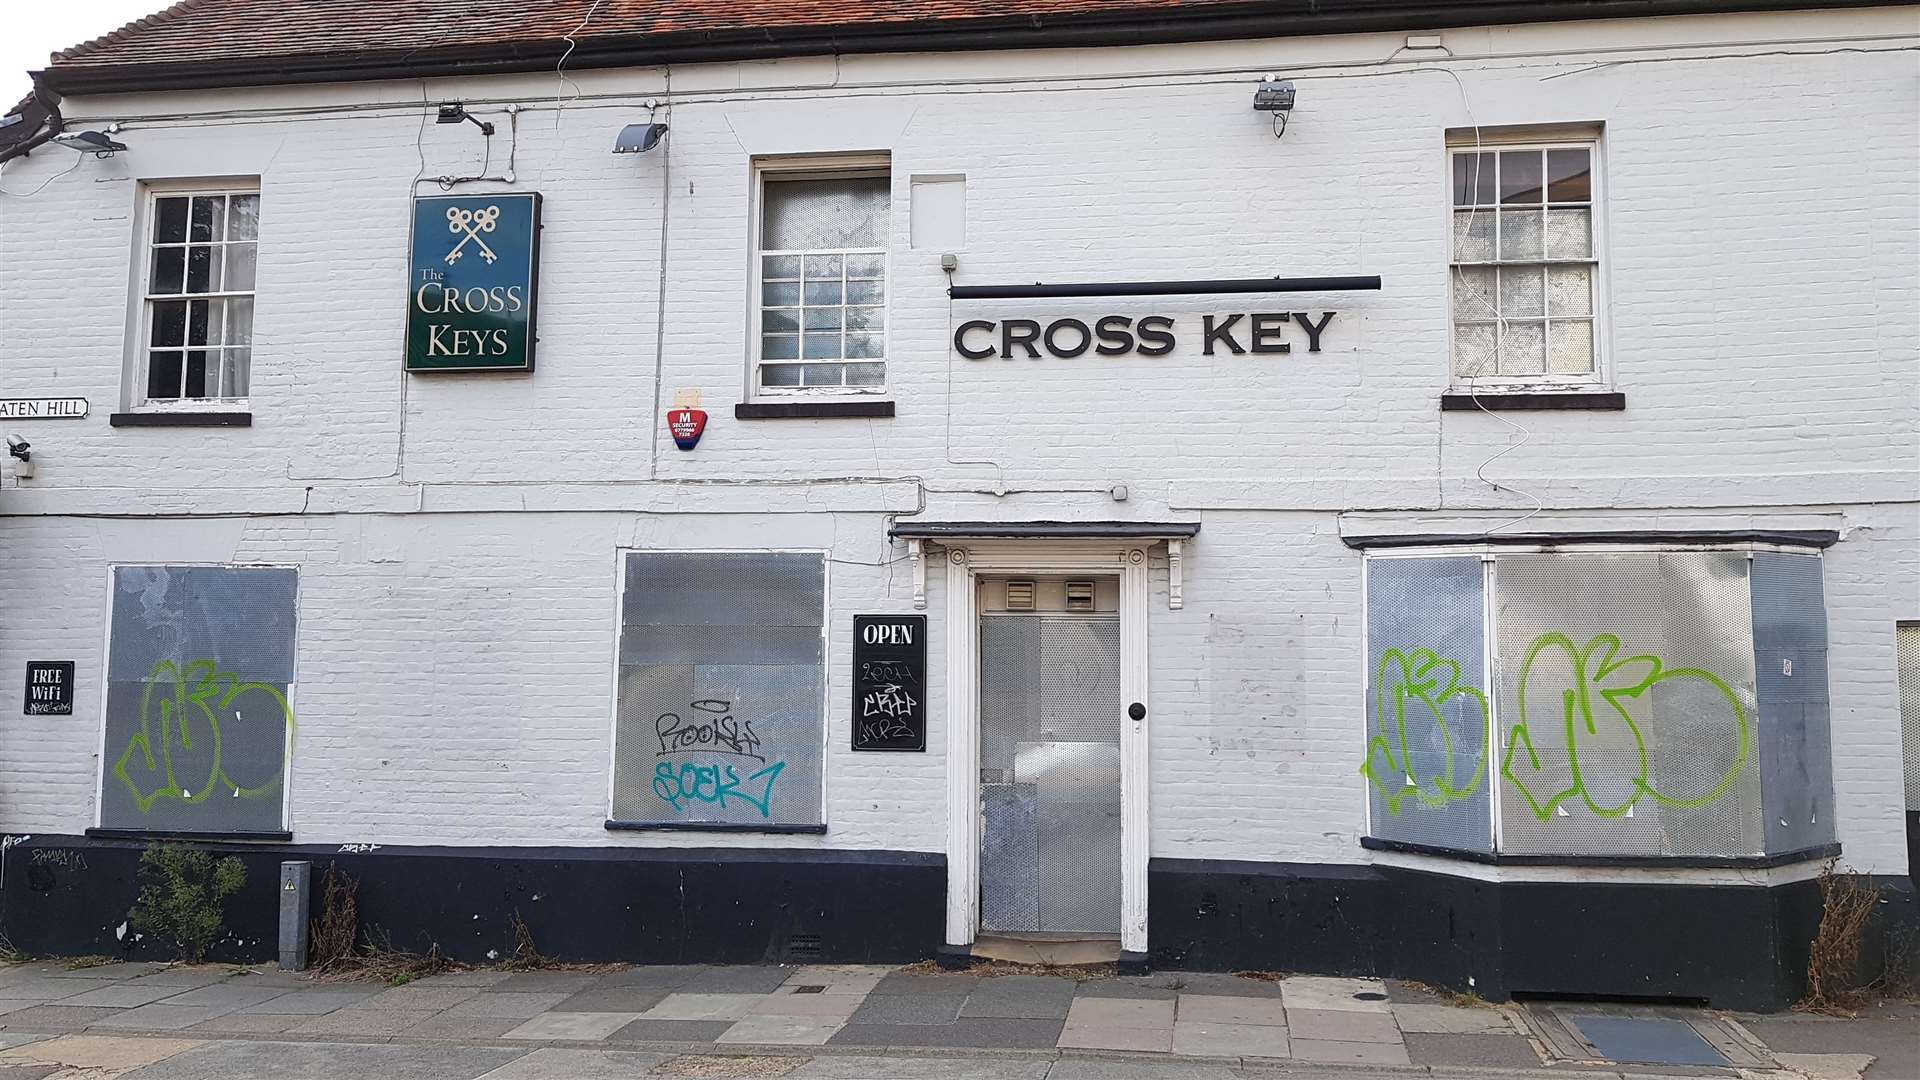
1673,862
796,410
190,837
712,826
181,419
1538,401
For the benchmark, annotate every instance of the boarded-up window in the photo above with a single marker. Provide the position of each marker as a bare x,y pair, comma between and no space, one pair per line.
1428,722
720,716
1642,703
199,725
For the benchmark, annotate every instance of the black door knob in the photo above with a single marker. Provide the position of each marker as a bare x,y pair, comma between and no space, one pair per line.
1137,711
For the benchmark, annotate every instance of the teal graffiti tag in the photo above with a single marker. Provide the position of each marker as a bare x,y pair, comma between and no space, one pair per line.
1598,674
1424,683
713,784
177,751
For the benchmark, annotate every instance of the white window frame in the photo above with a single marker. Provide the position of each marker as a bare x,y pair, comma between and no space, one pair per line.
1492,140
140,336
829,167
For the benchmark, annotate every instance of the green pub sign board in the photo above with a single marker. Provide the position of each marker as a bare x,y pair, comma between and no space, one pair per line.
470,287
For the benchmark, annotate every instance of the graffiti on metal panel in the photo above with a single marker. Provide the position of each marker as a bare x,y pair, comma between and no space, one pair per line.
177,753
1423,683
714,785
1594,710
713,730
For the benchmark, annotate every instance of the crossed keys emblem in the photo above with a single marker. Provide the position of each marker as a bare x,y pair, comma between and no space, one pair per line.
472,223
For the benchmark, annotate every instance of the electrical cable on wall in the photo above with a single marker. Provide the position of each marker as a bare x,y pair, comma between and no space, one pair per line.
560,69
1500,323
1094,83
77,159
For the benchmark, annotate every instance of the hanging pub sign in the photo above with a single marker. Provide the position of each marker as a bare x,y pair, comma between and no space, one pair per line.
889,682
49,688
471,282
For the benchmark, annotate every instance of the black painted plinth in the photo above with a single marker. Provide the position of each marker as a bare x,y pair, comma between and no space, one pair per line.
1737,947
69,895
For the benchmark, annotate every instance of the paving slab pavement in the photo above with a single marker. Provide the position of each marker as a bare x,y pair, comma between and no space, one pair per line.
815,1012
326,1061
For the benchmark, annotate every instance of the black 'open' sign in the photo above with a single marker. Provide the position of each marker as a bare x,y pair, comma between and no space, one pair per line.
889,682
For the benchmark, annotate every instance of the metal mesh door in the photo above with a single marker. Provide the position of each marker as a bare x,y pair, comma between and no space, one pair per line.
1050,773
1908,656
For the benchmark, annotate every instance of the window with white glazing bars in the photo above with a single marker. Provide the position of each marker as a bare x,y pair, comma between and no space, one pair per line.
1525,264
823,279
197,329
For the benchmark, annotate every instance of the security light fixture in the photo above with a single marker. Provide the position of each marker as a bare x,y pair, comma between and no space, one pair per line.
639,138
453,112
1275,95
90,142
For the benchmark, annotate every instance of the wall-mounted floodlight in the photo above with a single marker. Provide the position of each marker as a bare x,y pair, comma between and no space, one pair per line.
639,138
454,112
90,142
1275,95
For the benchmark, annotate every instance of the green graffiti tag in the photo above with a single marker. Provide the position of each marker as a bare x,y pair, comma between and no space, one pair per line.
1597,672
192,703
1424,682
1417,686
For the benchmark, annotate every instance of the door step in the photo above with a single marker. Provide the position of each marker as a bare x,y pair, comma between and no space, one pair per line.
1047,952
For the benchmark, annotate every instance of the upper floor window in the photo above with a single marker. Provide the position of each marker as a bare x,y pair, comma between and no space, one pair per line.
197,327
1525,271
822,316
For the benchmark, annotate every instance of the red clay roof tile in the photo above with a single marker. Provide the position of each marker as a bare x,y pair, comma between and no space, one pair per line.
212,30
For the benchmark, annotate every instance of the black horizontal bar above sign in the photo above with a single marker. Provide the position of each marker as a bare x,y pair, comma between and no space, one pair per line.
1165,288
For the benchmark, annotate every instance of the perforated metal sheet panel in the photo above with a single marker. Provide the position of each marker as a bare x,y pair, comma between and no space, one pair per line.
1627,704
200,667
1909,662
1790,665
836,214
719,714
1050,773
1427,764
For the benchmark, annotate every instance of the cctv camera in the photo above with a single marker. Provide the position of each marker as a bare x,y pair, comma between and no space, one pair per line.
19,448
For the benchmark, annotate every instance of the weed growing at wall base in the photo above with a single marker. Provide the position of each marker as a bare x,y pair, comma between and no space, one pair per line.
183,896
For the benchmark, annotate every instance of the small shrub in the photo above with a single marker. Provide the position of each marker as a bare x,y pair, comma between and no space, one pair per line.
183,896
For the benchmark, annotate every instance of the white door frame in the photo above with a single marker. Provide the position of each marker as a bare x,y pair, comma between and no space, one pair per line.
966,560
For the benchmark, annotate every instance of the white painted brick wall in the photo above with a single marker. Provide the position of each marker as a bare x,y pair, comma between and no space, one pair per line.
456,534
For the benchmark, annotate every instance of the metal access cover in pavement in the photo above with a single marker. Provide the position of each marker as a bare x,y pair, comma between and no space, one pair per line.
1643,1035
1646,1040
